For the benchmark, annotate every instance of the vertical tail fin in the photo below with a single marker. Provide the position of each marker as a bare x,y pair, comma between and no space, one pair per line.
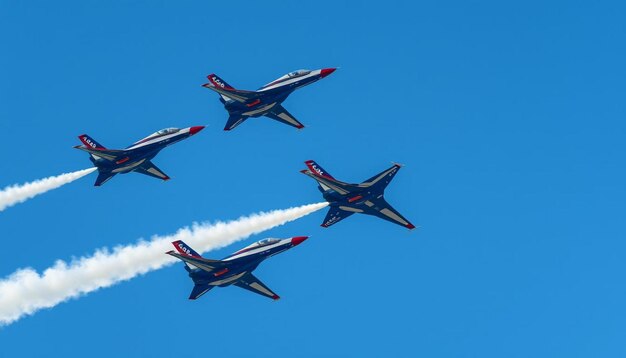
218,82
317,169
90,142
184,249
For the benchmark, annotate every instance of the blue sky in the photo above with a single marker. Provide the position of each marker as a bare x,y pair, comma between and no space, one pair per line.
508,116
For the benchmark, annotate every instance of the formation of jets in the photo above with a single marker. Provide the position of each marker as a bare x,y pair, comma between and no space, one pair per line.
344,199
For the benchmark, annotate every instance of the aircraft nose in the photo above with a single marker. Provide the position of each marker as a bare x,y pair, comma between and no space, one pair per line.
327,71
196,129
295,241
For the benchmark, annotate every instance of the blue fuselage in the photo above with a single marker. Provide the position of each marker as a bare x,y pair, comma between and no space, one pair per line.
355,198
132,158
267,99
229,273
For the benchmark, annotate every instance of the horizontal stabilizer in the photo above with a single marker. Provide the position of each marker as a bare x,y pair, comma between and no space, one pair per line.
233,121
334,216
220,86
108,154
327,184
103,177
207,265
199,290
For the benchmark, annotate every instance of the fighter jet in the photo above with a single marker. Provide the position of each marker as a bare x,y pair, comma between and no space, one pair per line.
136,157
266,101
365,198
235,269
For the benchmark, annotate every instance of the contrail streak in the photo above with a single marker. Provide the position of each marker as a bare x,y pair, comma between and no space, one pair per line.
25,291
17,193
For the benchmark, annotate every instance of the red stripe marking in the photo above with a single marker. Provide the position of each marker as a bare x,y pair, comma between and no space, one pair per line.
219,273
355,198
253,103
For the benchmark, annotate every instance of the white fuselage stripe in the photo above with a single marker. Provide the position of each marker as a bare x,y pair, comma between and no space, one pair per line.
135,164
157,139
255,251
290,81
262,109
226,280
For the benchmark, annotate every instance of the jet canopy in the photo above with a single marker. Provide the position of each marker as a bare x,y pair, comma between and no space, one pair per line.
298,73
290,75
156,134
266,242
165,131
261,243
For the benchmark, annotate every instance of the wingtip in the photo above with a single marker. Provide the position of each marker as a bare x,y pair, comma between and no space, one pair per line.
410,226
276,297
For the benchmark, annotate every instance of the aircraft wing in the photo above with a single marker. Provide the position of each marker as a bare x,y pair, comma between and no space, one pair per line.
280,114
334,216
251,283
148,168
382,179
108,154
199,262
381,208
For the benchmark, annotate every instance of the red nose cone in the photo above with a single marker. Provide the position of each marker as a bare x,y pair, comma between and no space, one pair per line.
196,129
327,71
295,241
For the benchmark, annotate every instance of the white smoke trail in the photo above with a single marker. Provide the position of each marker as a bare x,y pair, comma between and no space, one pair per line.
25,291
17,193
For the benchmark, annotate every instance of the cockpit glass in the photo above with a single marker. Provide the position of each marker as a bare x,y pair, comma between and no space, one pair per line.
266,242
299,73
261,243
167,131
